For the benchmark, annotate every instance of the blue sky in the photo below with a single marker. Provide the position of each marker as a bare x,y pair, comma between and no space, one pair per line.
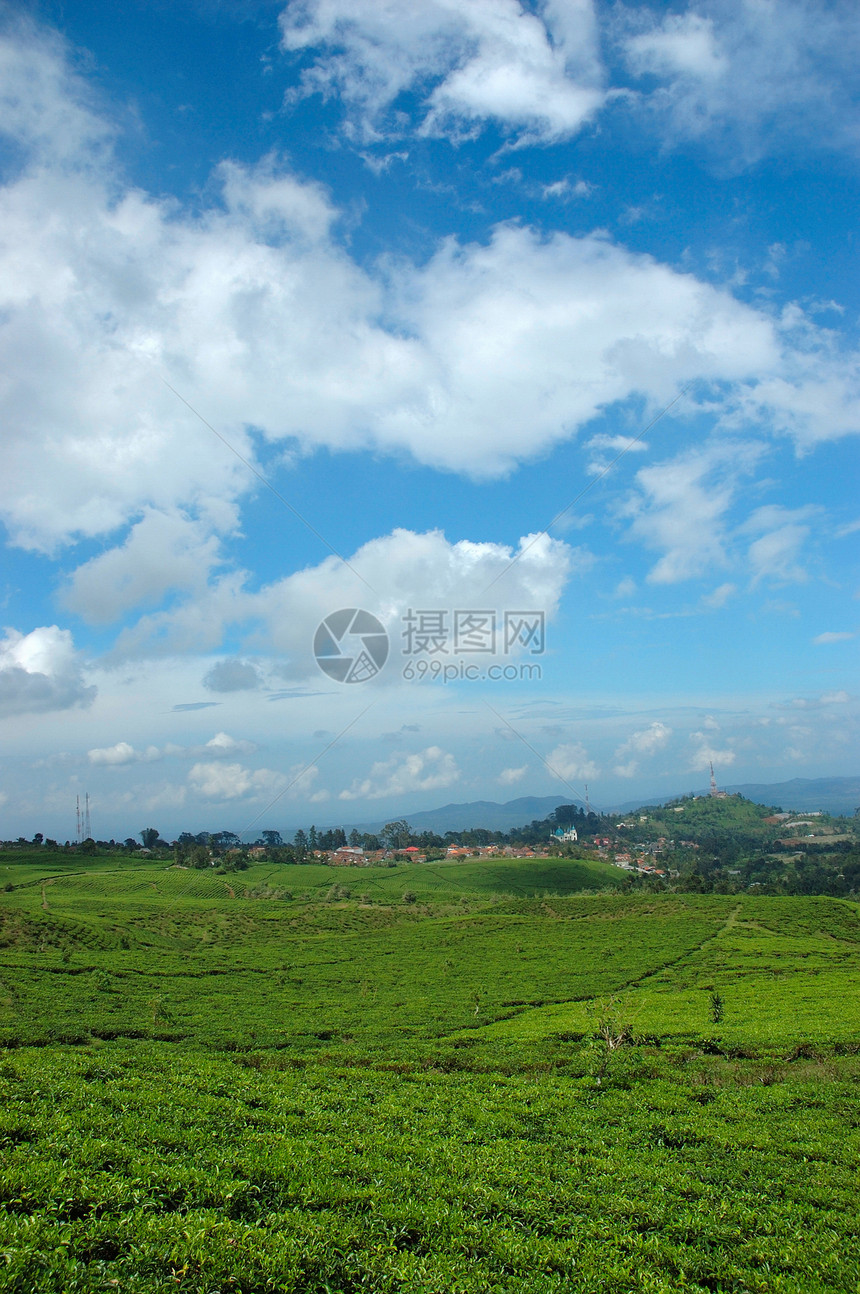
337,304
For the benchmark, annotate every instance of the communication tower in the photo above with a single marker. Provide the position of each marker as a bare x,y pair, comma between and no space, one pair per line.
88,831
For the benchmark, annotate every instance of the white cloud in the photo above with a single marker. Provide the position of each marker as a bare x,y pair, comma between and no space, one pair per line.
774,554
606,449
720,596
40,671
398,571
122,753
463,361
163,551
233,781
840,637
625,588
570,762
646,742
681,508
428,770
221,746
509,776
567,189
706,754
486,60
749,76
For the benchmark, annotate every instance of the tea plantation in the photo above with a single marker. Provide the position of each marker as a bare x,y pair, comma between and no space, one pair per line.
441,1079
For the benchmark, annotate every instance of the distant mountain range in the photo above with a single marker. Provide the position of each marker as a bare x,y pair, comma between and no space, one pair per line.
831,794
478,813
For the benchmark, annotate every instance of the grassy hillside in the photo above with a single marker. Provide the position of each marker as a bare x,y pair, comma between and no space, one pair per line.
502,1084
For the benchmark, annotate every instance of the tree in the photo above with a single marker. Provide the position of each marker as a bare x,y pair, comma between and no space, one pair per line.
225,839
272,839
354,838
397,834
149,836
38,838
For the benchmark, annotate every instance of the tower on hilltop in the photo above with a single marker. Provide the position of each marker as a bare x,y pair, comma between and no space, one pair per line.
719,795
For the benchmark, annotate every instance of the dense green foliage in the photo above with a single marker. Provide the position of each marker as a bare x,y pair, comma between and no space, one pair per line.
291,1079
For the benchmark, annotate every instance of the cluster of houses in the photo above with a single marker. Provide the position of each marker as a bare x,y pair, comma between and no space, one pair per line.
355,856
641,857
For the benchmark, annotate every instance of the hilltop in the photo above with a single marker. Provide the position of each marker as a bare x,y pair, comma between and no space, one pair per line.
834,795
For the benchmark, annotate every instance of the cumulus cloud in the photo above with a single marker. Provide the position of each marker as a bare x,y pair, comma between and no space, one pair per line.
646,742
462,362
535,74
747,75
397,572
509,776
427,770
221,746
570,762
233,781
706,754
41,671
162,552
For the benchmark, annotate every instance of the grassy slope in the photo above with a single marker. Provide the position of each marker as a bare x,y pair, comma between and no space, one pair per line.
287,1095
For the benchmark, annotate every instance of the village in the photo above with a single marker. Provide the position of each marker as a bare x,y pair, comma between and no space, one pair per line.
642,857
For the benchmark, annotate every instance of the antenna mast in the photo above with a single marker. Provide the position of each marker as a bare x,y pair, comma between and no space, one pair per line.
587,805
88,831
78,819
713,790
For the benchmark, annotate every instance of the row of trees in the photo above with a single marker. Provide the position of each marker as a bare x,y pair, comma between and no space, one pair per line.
395,835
